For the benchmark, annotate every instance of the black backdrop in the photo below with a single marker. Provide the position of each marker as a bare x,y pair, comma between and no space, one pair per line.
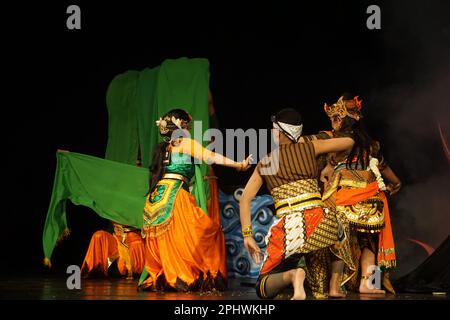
262,58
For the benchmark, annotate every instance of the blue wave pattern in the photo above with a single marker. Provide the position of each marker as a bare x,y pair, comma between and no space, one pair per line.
239,262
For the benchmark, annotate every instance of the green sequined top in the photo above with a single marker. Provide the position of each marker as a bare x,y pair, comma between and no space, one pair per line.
181,163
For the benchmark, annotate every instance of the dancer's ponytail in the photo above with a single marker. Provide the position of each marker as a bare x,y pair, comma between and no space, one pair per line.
157,166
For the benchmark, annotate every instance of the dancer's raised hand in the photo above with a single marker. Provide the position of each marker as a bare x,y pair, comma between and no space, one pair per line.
246,163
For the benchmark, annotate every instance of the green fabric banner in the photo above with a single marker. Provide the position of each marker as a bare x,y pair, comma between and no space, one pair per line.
135,100
184,83
122,115
115,191
147,113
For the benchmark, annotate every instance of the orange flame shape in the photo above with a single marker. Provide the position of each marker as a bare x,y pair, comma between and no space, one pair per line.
358,102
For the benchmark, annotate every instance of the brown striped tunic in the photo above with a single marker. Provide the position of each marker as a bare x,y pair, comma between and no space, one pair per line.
297,161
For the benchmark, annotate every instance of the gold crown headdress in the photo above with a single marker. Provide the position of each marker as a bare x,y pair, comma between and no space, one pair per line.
168,123
345,108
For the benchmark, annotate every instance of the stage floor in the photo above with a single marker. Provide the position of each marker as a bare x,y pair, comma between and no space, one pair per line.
55,288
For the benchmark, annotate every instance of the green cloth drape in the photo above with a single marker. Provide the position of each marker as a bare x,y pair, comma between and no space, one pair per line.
114,190
136,99
147,113
184,83
123,140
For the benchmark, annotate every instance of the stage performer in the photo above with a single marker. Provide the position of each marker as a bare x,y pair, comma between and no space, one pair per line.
118,253
355,190
303,227
184,246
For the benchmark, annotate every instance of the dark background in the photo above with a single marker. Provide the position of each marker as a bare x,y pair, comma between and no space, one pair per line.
262,58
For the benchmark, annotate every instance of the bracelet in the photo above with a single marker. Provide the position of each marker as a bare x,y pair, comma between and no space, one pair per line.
247,231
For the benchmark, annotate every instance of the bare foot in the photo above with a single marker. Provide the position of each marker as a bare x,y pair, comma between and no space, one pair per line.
335,289
364,289
336,293
387,283
297,282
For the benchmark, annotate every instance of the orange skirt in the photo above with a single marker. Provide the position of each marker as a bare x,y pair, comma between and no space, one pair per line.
105,248
190,255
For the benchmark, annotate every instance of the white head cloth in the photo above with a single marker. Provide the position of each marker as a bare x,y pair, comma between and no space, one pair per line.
293,130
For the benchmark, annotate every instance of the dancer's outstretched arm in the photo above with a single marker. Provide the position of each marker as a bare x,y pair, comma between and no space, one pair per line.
332,145
196,150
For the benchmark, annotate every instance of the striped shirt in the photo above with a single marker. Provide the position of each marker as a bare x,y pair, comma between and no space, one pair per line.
297,161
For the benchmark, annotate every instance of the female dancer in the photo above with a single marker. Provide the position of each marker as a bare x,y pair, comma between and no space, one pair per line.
184,246
354,189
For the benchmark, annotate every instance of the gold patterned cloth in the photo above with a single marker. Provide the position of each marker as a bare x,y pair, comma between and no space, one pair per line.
304,228
305,224
362,210
294,189
298,203
366,215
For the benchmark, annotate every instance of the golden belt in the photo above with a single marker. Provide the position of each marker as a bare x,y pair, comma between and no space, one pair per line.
298,203
176,176
121,230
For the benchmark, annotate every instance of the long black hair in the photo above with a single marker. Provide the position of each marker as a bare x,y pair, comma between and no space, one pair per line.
161,153
364,144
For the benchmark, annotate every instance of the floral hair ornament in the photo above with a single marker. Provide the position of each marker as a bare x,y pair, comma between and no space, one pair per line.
176,122
162,124
167,123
